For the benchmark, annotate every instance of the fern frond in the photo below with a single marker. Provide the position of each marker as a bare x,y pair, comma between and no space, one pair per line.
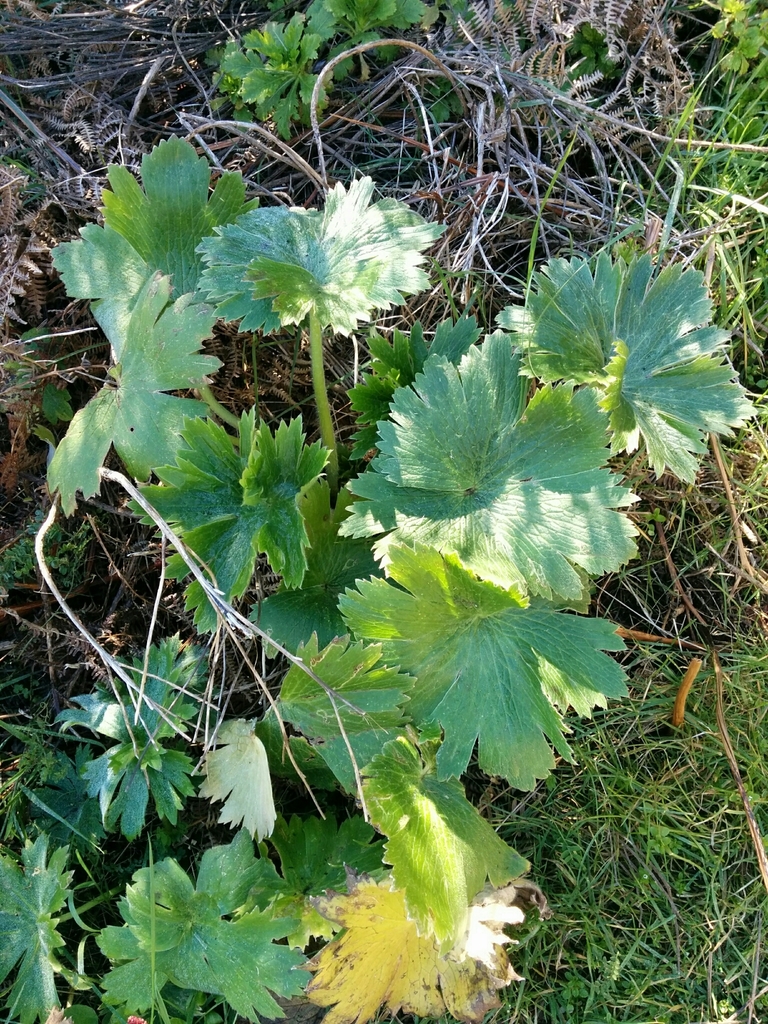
12,183
582,87
16,271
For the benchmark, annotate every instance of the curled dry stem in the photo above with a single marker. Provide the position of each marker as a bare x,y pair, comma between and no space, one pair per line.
756,576
113,665
678,711
354,51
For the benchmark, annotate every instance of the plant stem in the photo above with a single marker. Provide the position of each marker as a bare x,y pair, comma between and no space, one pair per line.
321,401
92,903
216,407
255,372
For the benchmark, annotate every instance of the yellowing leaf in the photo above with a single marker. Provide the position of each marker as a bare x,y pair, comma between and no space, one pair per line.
381,960
238,773
429,822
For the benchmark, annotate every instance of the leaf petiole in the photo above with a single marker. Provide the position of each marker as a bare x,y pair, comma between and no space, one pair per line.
217,408
321,400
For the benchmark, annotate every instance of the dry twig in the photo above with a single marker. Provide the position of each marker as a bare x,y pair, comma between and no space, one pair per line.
756,576
754,828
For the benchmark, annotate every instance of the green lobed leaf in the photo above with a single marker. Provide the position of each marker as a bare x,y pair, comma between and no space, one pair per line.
160,353
315,853
314,856
359,676
453,339
519,493
157,229
360,16
229,505
103,265
313,767
647,343
395,365
64,809
333,564
30,898
56,404
139,765
224,281
340,263
356,18
429,823
192,937
488,668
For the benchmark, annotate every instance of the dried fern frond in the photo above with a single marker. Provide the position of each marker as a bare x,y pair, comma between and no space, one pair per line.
12,183
20,251
28,7
542,15
74,100
547,63
581,88
613,24
17,269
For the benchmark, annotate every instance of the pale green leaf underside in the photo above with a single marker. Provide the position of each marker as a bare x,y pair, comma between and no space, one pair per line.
648,343
228,254
358,675
520,494
30,898
159,354
237,772
340,263
184,933
487,667
431,823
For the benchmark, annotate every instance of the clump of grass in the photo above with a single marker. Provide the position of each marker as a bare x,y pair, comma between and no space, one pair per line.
645,855
643,846
726,197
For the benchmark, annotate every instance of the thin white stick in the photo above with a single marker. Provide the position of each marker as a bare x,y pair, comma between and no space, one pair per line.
355,767
144,87
223,609
151,630
356,362
111,663
234,619
105,656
